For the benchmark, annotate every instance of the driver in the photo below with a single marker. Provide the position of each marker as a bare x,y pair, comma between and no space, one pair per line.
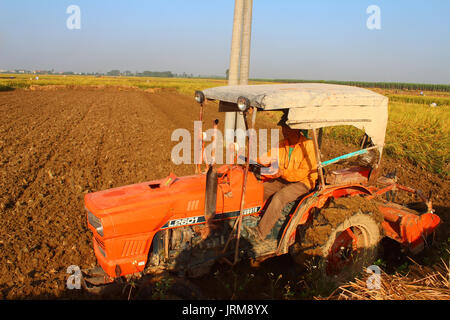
296,175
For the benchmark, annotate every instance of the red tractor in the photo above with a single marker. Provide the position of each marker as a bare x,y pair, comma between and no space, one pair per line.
186,224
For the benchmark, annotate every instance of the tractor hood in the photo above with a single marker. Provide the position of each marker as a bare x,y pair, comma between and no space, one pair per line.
149,206
127,197
144,207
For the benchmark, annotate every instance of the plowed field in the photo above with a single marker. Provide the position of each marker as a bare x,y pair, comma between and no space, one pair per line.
55,146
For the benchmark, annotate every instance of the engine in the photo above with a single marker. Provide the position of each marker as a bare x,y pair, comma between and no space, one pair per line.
186,251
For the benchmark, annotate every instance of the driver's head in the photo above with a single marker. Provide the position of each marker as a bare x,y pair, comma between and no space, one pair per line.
291,134
288,133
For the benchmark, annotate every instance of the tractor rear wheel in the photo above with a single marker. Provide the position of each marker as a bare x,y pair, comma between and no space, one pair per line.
341,239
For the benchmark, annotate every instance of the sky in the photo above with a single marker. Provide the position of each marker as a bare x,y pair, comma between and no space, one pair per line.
291,39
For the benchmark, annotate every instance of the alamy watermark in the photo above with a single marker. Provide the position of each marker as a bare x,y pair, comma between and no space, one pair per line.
73,22
374,20
74,280
208,147
374,281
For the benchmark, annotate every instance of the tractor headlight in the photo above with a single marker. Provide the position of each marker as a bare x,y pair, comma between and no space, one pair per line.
96,223
243,104
199,96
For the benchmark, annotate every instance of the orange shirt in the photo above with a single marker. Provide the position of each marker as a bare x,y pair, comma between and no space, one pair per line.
301,166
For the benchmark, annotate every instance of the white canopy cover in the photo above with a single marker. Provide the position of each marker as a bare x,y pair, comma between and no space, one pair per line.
315,105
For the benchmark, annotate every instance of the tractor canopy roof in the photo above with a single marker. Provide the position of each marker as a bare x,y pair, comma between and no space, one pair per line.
313,105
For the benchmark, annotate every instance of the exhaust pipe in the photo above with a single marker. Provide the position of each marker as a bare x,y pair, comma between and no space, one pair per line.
211,186
211,194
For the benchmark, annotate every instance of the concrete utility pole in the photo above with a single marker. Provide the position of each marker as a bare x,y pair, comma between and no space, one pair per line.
233,76
246,39
233,71
245,54
239,60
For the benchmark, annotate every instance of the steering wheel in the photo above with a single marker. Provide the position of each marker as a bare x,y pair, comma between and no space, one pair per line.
254,167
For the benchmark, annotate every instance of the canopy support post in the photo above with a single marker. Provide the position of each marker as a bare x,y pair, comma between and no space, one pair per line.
238,221
319,163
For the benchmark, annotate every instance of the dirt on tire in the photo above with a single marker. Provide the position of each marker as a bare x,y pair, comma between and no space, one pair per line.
328,219
314,250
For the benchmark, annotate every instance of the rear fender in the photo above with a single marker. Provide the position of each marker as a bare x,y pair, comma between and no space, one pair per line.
305,208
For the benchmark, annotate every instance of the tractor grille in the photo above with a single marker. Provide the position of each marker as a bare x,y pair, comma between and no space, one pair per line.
133,247
101,246
100,243
102,251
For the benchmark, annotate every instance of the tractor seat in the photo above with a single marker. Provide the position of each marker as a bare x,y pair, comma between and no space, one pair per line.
348,176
